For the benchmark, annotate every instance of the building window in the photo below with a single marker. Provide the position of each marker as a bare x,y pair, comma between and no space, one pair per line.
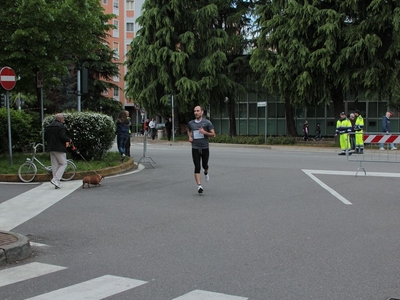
105,2
115,3
116,50
116,92
116,29
129,27
130,5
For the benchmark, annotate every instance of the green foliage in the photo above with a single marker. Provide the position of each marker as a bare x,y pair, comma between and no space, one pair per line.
110,159
50,37
92,133
315,51
254,140
21,130
191,49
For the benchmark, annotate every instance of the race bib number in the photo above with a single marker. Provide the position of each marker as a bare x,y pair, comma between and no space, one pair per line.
197,135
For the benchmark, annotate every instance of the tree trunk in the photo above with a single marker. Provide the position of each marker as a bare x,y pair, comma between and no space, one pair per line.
337,99
290,123
232,120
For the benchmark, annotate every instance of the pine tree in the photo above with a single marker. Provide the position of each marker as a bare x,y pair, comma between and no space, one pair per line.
312,52
184,48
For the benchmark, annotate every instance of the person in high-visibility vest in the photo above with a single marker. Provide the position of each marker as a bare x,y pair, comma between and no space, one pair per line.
359,129
343,127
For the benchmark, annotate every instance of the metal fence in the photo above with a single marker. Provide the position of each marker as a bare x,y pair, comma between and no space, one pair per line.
378,147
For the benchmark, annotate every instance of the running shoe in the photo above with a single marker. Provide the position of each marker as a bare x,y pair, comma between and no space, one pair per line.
200,189
55,183
207,177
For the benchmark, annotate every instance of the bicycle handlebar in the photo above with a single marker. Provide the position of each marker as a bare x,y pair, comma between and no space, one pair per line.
37,145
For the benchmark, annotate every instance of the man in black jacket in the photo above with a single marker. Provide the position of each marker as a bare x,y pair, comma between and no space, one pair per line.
57,139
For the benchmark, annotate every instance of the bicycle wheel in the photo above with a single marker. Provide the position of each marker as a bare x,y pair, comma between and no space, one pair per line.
69,172
27,171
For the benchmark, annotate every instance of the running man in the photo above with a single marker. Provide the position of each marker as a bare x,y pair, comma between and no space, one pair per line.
199,130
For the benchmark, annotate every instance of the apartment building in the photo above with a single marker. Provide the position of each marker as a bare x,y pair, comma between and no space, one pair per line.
126,12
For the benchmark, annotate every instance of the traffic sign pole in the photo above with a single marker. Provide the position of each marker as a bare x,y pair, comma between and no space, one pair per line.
7,81
7,78
9,126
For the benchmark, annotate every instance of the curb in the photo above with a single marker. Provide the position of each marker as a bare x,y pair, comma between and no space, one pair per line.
126,166
17,249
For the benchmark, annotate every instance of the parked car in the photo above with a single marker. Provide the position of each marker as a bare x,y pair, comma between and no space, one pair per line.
160,126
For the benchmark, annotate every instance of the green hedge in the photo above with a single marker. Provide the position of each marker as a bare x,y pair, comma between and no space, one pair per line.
254,140
92,133
21,130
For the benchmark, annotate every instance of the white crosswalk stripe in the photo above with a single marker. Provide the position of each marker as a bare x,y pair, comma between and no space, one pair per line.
24,272
93,289
97,288
24,207
204,295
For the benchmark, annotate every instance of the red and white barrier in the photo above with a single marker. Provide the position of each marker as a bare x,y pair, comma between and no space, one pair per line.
381,138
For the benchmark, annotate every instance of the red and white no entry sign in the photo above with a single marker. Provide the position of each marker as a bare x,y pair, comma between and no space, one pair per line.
7,78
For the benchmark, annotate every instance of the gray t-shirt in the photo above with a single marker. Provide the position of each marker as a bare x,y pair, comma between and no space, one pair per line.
200,141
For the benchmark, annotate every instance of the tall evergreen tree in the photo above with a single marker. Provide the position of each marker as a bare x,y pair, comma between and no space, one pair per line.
312,52
49,36
185,48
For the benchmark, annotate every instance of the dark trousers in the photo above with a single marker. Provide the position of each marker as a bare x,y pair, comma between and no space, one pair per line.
169,134
200,158
128,148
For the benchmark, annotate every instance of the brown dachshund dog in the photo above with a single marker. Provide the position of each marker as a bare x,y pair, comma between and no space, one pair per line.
92,179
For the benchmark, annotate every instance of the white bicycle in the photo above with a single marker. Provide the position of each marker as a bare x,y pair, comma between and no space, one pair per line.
28,170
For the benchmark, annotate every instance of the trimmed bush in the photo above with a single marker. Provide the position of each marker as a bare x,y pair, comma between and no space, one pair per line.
21,130
92,133
254,140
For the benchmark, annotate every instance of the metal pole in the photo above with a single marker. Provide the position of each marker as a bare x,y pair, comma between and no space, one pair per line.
266,121
173,118
42,116
137,122
9,125
78,87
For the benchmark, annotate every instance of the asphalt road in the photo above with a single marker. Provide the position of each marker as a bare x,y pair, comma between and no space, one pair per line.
279,223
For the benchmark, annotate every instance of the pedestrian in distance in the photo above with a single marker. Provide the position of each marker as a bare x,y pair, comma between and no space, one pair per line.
199,130
152,126
318,136
386,130
305,130
168,127
146,127
343,128
128,142
57,142
123,125
352,119
359,132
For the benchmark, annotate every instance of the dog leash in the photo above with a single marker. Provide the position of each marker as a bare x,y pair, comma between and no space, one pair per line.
76,150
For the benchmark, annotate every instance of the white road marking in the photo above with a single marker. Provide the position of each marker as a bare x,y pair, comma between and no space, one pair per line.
332,191
24,272
140,167
204,295
22,208
311,173
95,289
39,245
